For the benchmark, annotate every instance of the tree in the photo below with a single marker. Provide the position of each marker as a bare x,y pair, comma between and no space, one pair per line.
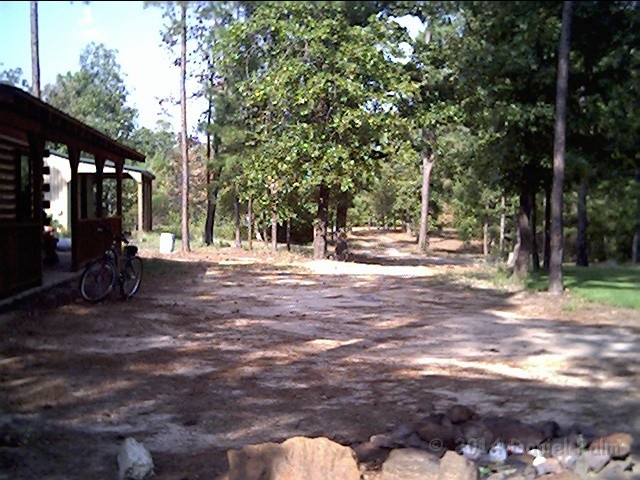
314,95
13,77
186,246
96,94
555,266
35,51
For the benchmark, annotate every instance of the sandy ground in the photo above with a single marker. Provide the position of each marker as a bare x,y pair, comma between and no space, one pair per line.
224,348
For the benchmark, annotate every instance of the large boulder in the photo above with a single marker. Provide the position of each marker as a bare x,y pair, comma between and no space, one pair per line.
296,458
410,464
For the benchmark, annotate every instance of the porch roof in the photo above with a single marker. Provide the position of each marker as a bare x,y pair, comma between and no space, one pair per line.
28,114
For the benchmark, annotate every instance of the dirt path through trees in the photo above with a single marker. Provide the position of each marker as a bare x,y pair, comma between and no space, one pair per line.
221,349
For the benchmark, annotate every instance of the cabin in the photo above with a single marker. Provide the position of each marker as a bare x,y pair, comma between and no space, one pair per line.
27,127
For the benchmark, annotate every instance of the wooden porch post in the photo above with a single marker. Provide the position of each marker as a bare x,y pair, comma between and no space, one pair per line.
140,190
36,154
74,160
119,167
148,214
99,187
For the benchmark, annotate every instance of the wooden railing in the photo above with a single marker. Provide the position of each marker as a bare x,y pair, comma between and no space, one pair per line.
89,243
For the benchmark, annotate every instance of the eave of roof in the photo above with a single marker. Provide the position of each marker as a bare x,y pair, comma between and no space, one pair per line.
55,123
108,163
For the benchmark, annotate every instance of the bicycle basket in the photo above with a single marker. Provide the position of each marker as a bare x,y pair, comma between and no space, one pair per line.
130,250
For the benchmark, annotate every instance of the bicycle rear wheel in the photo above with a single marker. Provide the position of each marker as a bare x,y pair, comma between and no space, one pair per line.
131,277
97,281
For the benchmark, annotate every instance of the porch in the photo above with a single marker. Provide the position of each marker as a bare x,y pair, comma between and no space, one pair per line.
27,126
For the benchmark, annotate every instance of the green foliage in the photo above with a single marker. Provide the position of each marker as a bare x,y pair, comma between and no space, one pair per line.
314,90
96,94
13,77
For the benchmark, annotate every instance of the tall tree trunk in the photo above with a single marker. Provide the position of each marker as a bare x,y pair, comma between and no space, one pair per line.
535,256
428,159
250,222
289,234
523,257
320,224
559,145
635,253
35,51
213,174
342,205
274,229
547,229
186,246
236,217
485,232
503,224
582,258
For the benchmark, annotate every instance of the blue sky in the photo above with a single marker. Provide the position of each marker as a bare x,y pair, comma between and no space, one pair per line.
66,28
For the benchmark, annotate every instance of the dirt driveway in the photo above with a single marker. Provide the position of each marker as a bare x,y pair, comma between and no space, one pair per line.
221,349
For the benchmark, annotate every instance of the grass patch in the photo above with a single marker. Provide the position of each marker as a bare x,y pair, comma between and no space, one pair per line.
618,286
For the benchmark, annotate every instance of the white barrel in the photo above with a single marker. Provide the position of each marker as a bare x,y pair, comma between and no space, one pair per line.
167,241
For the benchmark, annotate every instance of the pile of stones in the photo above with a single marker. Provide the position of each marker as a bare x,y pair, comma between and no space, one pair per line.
455,445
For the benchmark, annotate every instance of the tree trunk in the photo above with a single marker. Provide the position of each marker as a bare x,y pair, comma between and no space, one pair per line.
320,224
428,159
635,253
274,229
523,257
236,216
186,246
485,232
250,223
582,257
535,256
342,205
547,229
503,224
559,145
35,51
288,234
212,178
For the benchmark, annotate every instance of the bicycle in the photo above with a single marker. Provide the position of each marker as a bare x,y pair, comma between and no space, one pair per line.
100,276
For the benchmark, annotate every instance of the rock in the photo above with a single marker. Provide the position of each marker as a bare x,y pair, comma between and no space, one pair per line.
439,435
562,476
455,467
297,457
580,434
368,452
549,429
514,432
384,441
410,464
459,414
546,466
134,461
476,433
617,470
618,445
596,459
565,453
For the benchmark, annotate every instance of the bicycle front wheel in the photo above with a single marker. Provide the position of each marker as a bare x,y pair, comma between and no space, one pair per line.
97,281
131,277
